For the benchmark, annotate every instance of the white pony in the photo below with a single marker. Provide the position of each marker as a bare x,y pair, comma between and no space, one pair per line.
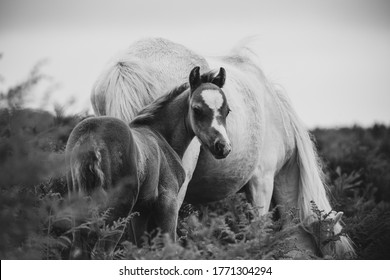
272,153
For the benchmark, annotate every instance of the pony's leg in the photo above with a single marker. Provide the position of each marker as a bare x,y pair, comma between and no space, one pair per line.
259,190
138,225
286,193
286,197
167,212
78,249
189,161
121,202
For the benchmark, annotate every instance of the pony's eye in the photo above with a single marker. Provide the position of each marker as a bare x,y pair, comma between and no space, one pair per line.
228,111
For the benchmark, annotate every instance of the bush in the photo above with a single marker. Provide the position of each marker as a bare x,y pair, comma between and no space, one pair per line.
31,178
358,164
36,220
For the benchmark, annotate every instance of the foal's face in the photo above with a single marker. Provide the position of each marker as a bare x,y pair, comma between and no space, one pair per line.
208,112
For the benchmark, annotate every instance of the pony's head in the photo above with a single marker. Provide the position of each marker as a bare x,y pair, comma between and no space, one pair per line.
208,112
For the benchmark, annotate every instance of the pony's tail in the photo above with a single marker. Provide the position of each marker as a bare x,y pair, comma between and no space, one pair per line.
87,179
244,49
123,88
311,184
88,176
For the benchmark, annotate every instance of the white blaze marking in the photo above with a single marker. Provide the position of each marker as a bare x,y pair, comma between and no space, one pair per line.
213,99
220,128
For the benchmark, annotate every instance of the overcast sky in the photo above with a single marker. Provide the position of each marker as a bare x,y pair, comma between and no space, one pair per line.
332,57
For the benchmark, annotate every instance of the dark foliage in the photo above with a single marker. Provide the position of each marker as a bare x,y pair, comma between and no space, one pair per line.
31,175
358,165
35,223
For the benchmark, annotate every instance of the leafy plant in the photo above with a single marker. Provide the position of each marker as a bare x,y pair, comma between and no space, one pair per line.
36,219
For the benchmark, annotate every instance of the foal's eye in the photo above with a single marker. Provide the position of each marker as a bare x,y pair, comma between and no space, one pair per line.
197,111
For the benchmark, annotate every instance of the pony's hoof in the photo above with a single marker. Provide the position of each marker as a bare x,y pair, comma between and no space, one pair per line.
76,254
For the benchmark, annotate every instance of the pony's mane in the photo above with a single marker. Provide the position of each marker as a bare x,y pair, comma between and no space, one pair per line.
149,113
124,88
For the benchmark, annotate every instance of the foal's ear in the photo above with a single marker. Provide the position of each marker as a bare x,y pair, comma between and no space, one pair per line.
195,80
219,80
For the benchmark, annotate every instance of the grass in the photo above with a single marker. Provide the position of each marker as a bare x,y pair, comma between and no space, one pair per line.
35,219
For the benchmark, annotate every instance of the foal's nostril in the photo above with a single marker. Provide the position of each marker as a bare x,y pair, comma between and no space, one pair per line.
219,147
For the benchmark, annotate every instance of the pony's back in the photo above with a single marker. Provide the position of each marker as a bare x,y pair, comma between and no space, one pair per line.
100,155
145,71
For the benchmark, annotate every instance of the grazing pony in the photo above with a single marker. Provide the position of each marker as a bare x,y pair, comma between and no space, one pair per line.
137,167
273,155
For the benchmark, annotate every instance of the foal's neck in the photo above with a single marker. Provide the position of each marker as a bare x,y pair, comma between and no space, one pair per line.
174,124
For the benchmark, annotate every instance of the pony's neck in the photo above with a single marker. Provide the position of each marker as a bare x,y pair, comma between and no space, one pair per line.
174,124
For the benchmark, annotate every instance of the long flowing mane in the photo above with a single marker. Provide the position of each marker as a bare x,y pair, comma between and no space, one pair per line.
150,112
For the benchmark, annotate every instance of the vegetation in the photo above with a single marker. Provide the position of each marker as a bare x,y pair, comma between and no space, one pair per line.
357,162
35,218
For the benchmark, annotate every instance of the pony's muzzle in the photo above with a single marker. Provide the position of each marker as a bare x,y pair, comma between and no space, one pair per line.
221,149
